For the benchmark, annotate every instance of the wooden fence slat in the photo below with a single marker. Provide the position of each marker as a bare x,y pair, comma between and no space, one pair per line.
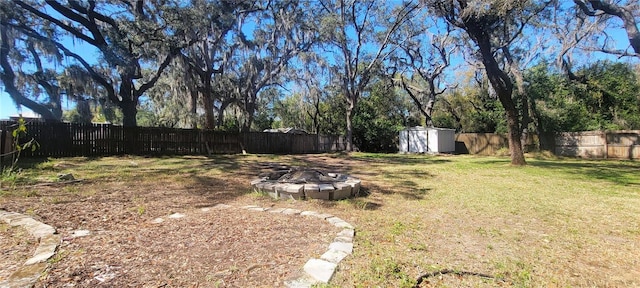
71,139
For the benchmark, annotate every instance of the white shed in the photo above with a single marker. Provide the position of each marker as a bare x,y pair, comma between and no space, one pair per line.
427,140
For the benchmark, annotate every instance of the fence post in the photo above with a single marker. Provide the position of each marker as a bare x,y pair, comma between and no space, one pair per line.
3,134
606,145
7,151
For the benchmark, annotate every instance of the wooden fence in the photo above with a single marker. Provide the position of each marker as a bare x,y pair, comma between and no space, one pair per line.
71,139
480,143
599,144
588,144
6,150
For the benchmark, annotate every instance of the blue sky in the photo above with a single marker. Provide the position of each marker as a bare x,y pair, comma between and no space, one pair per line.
8,107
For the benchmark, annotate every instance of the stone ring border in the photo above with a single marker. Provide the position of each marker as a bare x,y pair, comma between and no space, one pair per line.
316,271
31,270
342,188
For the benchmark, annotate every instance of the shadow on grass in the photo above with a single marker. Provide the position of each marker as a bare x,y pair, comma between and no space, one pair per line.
157,178
618,172
213,190
227,162
360,201
27,163
405,189
400,159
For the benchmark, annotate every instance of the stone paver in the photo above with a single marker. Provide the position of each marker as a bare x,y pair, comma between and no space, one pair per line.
222,206
258,209
347,233
301,282
342,246
46,249
176,215
80,233
277,210
291,211
32,269
324,216
339,187
334,256
343,239
309,213
320,270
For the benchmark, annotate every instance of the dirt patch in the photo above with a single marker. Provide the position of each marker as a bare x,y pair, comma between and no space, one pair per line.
226,248
17,246
218,248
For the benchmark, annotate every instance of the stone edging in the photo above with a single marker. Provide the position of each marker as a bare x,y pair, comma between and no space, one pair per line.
316,271
31,270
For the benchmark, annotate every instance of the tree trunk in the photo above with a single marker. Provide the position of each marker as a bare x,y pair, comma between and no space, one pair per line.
248,120
193,108
220,119
349,136
249,110
524,99
513,124
515,145
207,99
429,110
503,86
129,112
526,119
129,123
210,120
84,111
128,102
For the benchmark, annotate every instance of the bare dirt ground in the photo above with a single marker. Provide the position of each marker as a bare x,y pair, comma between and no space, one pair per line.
125,248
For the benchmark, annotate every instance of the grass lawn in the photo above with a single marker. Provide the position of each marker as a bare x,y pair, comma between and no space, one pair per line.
553,223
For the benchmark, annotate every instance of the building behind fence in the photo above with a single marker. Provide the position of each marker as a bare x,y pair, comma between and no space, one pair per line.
73,139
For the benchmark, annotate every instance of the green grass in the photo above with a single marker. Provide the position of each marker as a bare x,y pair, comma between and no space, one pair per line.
466,212
554,222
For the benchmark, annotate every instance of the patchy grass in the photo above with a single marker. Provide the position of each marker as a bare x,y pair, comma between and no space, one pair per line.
553,223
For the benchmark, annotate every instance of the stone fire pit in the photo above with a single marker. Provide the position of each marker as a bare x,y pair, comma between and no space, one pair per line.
306,183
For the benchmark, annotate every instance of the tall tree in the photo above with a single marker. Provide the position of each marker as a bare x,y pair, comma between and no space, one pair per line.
282,31
626,11
29,81
213,21
493,25
424,54
313,77
379,118
357,35
126,34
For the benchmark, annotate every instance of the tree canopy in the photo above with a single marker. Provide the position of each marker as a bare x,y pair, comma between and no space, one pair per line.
361,68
